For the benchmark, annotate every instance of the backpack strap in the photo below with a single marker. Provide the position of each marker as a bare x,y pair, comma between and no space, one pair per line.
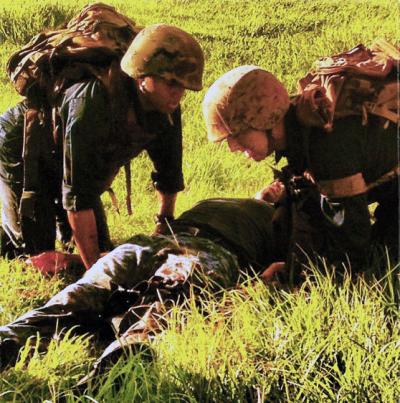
128,183
112,80
387,177
387,103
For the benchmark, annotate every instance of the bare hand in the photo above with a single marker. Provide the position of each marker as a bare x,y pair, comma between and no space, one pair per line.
50,262
269,273
273,193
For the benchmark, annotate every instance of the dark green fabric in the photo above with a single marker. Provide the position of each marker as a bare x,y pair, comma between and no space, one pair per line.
349,149
244,226
11,142
94,149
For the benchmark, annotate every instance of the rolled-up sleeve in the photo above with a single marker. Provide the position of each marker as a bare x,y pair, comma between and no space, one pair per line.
86,125
166,153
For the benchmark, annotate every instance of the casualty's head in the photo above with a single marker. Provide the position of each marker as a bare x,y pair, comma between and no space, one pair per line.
165,61
244,107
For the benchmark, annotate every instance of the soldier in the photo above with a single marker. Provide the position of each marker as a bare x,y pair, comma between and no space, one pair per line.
102,131
353,166
210,242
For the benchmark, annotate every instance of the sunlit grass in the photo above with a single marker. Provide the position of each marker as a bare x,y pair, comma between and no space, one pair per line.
323,342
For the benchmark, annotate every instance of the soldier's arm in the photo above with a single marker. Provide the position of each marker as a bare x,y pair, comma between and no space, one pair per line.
166,212
83,224
166,203
166,154
86,125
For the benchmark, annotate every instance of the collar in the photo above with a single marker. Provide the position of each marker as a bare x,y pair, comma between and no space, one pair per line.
297,137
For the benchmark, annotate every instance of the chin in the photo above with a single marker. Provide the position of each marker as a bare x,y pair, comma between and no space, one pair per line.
167,109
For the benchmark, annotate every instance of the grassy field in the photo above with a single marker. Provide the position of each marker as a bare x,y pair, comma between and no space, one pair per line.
323,342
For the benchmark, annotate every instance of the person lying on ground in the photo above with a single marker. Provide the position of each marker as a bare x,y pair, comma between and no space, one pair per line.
128,291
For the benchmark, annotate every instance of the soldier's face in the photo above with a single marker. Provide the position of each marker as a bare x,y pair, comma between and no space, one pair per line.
161,94
253,143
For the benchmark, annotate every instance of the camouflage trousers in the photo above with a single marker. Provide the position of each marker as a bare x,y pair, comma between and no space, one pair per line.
132,288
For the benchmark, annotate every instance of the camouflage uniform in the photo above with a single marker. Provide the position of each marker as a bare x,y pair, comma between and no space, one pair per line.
135,284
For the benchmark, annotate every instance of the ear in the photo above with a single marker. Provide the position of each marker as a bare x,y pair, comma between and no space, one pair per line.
141,84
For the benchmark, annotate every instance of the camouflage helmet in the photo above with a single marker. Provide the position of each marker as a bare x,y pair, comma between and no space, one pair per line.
165,51
246,97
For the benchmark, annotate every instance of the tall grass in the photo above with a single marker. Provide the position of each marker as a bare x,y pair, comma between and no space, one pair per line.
323,342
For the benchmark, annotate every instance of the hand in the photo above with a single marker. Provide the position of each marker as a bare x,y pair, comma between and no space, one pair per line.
50,262
162,224
268,274
273,193
161,229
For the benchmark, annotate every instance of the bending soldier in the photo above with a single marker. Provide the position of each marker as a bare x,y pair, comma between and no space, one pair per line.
103,129
353,165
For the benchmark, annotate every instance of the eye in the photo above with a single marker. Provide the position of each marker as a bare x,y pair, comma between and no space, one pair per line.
173,83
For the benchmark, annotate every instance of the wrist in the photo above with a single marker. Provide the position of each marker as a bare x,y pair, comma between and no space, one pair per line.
163,218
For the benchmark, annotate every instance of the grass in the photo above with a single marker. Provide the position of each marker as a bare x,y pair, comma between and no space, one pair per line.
323,342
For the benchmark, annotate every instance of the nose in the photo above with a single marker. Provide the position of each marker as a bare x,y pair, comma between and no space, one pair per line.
177,92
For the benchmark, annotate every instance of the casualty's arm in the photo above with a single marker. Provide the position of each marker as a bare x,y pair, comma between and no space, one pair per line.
268,274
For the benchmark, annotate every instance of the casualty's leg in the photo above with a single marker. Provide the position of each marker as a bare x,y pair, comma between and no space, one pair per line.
199,261
84,302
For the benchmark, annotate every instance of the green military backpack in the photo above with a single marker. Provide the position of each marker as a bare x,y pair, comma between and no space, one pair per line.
85,46
90,45
361,81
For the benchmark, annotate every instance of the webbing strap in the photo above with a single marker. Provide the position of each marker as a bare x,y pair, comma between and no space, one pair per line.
343,187
387,177
114,200
128,182
354,184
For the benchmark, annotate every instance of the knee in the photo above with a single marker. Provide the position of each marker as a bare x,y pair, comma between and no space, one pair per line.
119,266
